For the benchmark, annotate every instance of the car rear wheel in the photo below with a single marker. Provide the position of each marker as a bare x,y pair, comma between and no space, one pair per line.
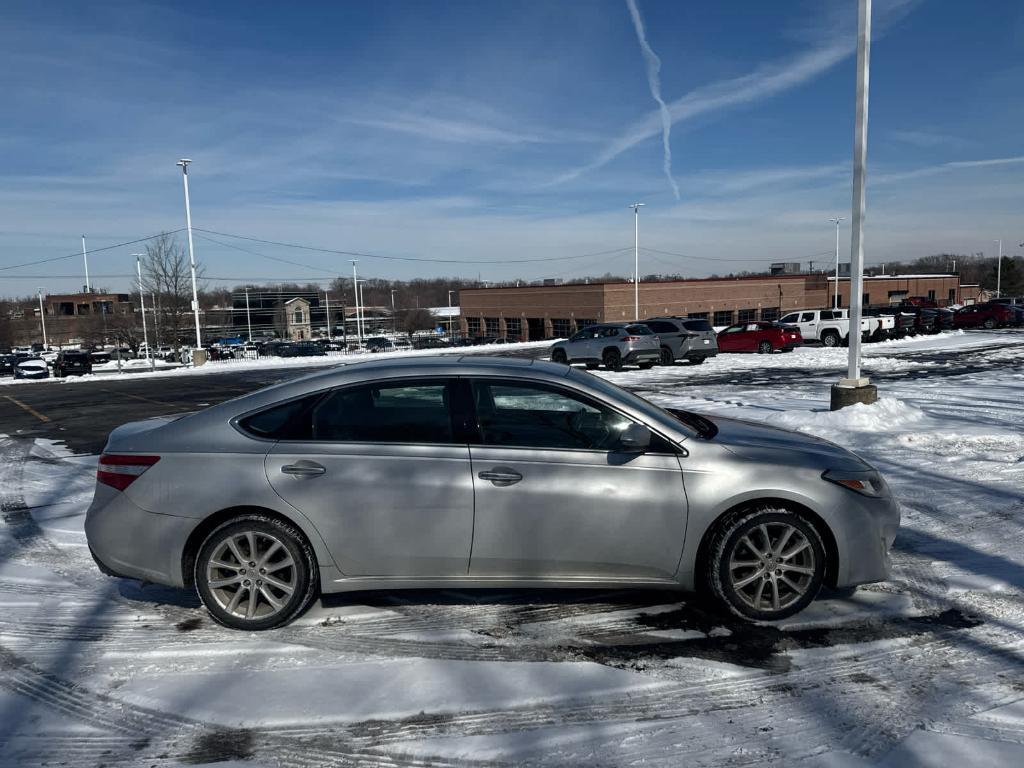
559,356
697,360
989,324
830,339
256,572
765,564
646,365
612,360
667,358
593,366
765,348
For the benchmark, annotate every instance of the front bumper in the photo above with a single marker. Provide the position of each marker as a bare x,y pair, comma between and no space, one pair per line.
865,535
128,541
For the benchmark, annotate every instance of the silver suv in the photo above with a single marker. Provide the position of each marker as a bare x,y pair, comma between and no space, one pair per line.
684,338
612,345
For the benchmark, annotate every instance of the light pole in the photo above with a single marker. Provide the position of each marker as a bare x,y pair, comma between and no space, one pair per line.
42,318
394,317
999,270
248,317
191,252
327,304
836,220
362,306
142,309
854,388
636,259
355,290
450,314
85,257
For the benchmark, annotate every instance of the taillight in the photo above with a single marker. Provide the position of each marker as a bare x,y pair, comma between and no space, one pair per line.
119,471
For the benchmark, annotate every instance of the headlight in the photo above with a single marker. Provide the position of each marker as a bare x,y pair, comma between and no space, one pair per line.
866,483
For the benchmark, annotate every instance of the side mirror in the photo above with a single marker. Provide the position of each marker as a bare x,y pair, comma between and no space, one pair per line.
636,438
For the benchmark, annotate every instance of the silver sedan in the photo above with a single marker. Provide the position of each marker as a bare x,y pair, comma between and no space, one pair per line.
479,472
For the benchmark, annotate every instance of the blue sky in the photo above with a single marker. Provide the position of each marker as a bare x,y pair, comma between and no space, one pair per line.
502,131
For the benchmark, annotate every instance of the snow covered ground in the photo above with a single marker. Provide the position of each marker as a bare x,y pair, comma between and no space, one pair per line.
924,670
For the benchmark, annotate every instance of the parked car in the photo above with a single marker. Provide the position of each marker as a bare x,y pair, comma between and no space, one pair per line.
72,363
1018,311
301,349
31,368
429,342
573,481
920,301
830,327
684,338
893,322
610,344
760,336
99,357
7,363
986,315
926,319
944,319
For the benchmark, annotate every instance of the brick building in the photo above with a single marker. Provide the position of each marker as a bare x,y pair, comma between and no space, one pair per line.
545,311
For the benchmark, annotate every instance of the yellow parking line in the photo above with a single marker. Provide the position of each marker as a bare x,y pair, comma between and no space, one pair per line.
28,408
134,397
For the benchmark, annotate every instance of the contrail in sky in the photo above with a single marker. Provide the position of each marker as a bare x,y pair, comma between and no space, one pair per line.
654,81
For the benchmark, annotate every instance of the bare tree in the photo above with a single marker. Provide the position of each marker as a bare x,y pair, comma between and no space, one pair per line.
165,274
417,320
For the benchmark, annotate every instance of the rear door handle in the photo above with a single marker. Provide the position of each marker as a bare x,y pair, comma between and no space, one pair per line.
304,469
501,476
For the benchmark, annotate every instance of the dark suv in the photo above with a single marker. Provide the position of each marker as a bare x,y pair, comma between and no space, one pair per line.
72,363
684,338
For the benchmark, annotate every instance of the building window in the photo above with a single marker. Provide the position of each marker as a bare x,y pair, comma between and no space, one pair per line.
491,325
298,316
952,295
896,297
747,316
561,329
698,315
513,327
865,300
473,326
931,295
769,314
723,317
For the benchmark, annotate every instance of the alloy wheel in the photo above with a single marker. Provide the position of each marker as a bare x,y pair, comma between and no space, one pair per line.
251,575
772,566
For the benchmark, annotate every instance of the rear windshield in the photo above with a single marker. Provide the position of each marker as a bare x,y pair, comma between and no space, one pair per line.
697,325
638,330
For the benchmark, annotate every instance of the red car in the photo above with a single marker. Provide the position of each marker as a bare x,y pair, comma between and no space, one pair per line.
760,336
987,315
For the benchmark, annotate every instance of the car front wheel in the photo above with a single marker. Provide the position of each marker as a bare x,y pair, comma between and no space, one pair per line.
559,356
765,564
256,572
765,347
612,360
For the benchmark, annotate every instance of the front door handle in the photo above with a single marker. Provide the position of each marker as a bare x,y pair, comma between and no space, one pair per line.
304,469
501,476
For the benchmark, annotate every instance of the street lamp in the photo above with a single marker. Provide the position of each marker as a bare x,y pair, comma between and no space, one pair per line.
142,309
854,388
394,317
42,318
85,257
636,258
999,270
355,289
184,162
836,220
450,314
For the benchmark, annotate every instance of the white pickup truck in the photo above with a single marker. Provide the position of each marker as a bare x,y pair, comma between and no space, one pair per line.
831,327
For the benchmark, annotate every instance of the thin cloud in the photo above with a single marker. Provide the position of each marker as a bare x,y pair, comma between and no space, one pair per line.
654,83
756,86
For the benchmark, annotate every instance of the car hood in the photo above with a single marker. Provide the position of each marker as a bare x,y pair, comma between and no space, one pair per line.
757,442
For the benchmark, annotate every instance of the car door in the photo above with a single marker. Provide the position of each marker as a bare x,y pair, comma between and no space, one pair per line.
576,346
731,339
384,479
556,498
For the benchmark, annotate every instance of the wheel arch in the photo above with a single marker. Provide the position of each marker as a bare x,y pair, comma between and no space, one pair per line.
198,535
828,539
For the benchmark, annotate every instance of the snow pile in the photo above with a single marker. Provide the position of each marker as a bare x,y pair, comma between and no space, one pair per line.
887,415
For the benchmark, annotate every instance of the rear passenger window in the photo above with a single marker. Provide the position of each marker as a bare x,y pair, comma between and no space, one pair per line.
698,326
288,421
405,412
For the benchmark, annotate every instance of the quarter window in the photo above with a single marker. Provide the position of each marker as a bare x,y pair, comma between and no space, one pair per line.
540,416
403,412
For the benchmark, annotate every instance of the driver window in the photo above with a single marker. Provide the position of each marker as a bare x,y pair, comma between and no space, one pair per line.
540,416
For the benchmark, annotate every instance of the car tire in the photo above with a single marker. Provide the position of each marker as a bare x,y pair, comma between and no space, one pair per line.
645,366
667,358
612,360
593,366
227,569
697,360
989,324
559,356
742,551
765,348
830,339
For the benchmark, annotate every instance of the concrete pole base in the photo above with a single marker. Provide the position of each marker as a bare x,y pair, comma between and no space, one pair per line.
844,396
199,356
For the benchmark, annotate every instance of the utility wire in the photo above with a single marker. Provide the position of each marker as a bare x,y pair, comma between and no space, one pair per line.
92,250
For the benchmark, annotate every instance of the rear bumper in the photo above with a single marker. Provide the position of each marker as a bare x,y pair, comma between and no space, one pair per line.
642,356
699,354
792,344
128,541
